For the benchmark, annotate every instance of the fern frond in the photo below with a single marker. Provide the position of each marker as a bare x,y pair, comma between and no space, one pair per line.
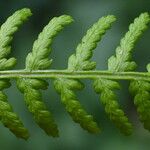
108,98
81,61
84,51
31,80
36,60
6,35
7,116
10,119
121,62
141,92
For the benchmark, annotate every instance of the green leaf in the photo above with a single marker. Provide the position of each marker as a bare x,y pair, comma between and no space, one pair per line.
35,104
108,98
36,60
121,62
84,51
141,89
6,35
81,61
7,30
65,88
78,63
141,93
39,57
11,119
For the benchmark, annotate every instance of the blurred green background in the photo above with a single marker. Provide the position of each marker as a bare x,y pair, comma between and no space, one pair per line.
85,13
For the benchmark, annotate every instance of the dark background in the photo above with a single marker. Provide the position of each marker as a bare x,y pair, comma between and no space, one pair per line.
85,13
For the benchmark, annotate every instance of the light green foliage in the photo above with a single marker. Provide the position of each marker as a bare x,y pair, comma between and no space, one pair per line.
7,116
141,92
109,99
10,119
33,99
81,61
36,60
121,62
6,35
66,87
79,66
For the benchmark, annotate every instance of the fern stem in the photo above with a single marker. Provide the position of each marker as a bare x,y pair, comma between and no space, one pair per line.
145,76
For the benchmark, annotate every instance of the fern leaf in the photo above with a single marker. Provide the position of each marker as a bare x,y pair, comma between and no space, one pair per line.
109,100
36,60
6,32
33,100
79,66
7,116
121,62
81,61
65,88
141,92
11,119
